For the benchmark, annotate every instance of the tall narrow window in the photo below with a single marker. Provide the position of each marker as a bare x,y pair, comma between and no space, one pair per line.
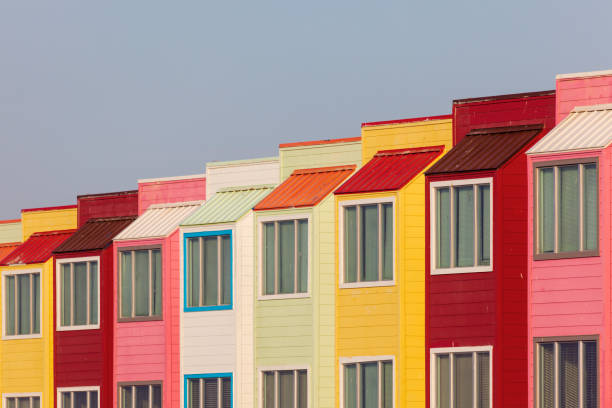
368,242
368,385
567,209
22,402
285,389
285,257
209,392
209,271
140,396
22,304
140,289
79,294
78,399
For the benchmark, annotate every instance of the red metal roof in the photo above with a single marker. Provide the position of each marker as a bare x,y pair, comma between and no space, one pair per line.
408,120
390,170
96,233
37,249
320,142
305,187
7,248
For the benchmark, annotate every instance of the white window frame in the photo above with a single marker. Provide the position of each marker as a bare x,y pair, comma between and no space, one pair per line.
433,250
77,389
366,359
284,217
366,201
298,367
433,352
16,272
5,396
58,293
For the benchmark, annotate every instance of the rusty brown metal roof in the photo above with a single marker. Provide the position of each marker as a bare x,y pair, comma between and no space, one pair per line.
485,149
96,233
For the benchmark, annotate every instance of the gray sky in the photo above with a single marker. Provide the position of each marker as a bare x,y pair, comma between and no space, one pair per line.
94,95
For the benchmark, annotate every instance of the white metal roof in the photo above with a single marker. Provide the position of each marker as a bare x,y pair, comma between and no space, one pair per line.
158,221
585,128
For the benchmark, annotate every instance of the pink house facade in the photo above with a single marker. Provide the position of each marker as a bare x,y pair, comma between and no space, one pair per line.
146,294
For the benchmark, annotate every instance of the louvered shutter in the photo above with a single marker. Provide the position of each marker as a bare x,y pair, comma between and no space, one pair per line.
211,393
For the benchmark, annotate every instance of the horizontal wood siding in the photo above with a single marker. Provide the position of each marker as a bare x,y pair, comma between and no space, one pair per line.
582,91
240,174
47,220
10,232
320,155
170,191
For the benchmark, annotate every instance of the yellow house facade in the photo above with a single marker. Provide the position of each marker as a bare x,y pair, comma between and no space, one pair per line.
380,265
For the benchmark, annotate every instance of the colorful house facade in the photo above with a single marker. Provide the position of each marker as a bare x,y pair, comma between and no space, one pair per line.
10,236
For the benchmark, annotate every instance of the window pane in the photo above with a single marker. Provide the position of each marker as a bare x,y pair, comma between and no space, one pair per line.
211,393
387,384
211,273
590,220
80,399
10,403
591,388
369,243
80,293
302,397
36,402
286,256
142,396
387,242
443,227
350,386
369,385
227,393
546,209
193,272
23,283
93,399
464,226
569,209
302,256
226,269
66,400
350,244
10,305
269,390
568,375
484,225
36,302
193,393
157,396
126,284
93,292
546,375
126,397
141,284
157,282
66,302
23,402
483,381
268,258
442,381
285,391
463,380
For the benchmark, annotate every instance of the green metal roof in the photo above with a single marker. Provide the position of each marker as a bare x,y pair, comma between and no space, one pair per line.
228,204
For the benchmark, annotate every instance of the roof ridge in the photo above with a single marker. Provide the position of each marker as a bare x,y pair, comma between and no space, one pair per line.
409,150
8,244
55,232
177,204
13,221
505,129
245,188
327,169
110,194
109,219
590,108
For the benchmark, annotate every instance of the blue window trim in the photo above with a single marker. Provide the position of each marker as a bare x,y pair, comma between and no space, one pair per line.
207,234
215,375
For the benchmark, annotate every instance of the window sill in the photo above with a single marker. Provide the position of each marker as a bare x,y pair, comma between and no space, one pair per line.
284,296
22,337
75,328
565,255
188,309
467,269
139,319
368,284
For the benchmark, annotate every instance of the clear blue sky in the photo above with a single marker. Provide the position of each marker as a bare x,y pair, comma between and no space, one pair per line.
95,95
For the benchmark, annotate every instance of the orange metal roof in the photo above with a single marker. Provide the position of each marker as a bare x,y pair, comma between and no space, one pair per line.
37,248
6,249
305,187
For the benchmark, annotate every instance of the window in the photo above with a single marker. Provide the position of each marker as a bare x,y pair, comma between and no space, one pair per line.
22,304
285,257
140,284
78,294
209,271
461,226
285,389
461,377
368,231
566,210
368,384
567,373
140,395
209,392
22,401
78,398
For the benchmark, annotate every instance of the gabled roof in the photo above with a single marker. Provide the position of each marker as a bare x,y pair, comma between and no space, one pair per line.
38,248
96,233
390,170
158,221
7,248
305,187
485,149
228,204
585,128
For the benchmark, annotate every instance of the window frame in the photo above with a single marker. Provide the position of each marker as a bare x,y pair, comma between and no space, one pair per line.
366,359
433,352
555,164
188,377
61,390
294,368
563,339
261,220
433,249
139,383
58,293
360,202
208,233
15,273
7,395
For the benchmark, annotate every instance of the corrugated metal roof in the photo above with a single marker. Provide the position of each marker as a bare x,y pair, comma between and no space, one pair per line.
390,170
485,149
229,204
305,187
96,233
38,248
159,220
7,248
586,127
